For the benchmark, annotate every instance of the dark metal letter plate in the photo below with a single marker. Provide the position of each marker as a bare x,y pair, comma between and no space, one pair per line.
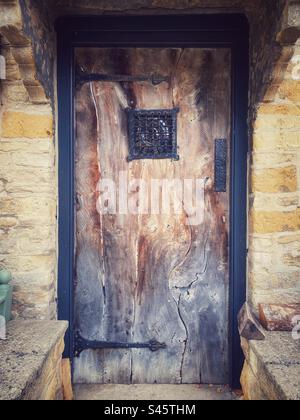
221,165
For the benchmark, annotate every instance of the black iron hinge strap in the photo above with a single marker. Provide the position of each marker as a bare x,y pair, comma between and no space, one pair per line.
82,78
81,345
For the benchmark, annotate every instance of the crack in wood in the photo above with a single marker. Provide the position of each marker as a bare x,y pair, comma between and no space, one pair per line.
101,275
186,340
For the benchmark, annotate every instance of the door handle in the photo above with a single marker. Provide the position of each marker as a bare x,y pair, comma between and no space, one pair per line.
220,165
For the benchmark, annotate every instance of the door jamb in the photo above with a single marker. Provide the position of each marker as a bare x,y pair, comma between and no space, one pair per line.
231,31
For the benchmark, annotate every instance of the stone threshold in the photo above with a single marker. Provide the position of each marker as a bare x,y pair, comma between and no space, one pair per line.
30,360
272,368
114,392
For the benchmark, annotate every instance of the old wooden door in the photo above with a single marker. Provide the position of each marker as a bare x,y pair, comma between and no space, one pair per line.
151,275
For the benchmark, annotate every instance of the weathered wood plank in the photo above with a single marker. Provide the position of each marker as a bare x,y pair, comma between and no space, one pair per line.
201,280
278,317
162,244
106,265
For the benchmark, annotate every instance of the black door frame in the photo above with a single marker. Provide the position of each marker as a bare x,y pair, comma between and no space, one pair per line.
216,31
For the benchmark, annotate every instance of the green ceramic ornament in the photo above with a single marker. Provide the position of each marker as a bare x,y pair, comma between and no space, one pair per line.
5,277
5,294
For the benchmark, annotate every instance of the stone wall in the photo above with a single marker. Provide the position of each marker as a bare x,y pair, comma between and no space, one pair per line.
28,196
274,258
271,370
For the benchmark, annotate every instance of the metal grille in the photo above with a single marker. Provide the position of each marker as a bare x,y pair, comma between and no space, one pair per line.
153,134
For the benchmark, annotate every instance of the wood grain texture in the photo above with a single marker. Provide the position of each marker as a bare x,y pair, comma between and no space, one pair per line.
143,277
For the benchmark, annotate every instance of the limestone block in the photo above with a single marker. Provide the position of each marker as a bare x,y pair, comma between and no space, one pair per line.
270,160
261,244
38,146
266,139
19,124
10,14
33,303
287,280
273,296
34,266
290,139
261,261
25,158
289,240
36,240
22,181
23,55
270,222
48,386
275,202
34,283
277,121
266,280
31,210
292,259
250,385
8,222
278,109
14,92
290,89
293,70
288,201
66,375
275,180
271,139
36,93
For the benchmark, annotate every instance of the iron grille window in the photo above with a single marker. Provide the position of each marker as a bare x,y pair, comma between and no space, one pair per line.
153,134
